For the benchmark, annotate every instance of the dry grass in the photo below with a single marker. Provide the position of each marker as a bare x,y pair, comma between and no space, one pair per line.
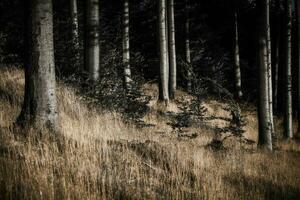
101,158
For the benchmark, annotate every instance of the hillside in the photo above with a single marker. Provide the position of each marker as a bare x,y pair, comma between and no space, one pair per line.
98,156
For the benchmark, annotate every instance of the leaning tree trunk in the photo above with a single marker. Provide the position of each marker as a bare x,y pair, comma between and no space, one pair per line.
126,48
172,50
92,54
164,76
270,67
238,80
265,134
187,47
42,86
288,72
298,59
75,31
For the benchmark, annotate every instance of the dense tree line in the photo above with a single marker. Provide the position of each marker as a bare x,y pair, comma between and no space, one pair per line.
174,42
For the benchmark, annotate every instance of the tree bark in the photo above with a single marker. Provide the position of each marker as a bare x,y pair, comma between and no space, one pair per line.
164,76
265,134
92,54
297,3
269,49
187,47
126,47
42,84
276,68
238,80
172,50
288,72
75,31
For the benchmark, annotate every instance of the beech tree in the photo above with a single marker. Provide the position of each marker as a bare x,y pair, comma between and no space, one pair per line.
238,80
276,56
187,47
92,40
126,47
75,30
40,106
297,3
163,46
172,50
288,72
269,49
265,134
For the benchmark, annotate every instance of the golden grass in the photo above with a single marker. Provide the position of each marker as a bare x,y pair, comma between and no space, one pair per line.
99,157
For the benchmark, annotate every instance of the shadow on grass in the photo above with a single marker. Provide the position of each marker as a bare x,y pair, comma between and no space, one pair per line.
259,188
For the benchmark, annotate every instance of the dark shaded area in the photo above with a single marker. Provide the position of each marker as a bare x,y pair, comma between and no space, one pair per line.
211,37
268,189
212,40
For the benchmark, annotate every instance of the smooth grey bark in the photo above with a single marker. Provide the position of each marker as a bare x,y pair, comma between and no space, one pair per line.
187,47
42,84
297,3
269,49
167,39
172,50
288,72
163,44
126,47
75,30
238,79
92,48
265,134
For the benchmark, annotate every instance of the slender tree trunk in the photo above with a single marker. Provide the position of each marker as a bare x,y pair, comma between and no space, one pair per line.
92,54
277,56
126,47
270,67
75,31
187,47
43,105
167,39
172,50
288,72
238,79
164,76
297,3
276,68
265,134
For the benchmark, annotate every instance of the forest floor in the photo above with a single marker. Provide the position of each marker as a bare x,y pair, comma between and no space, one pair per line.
98,156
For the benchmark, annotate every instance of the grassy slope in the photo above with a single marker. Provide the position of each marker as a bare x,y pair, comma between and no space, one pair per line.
102,158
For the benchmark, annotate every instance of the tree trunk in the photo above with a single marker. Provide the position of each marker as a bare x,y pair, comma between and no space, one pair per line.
172,50
164,76
92,54
288,72
126,48
270,68
167,39
75,31
276,68
238,81
187,47
265,135
42,86
297,3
